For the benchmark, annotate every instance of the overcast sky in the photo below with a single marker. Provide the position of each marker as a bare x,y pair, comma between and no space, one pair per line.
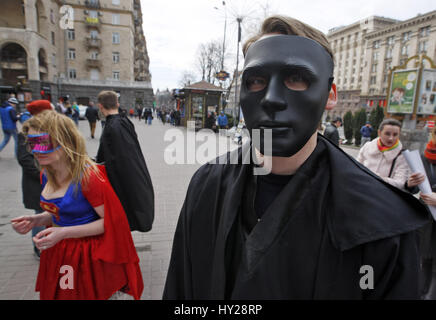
175,28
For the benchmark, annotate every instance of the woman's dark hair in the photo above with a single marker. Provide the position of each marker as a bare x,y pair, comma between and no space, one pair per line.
389,122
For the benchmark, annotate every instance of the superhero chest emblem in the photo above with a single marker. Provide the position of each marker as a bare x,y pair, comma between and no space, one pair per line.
50,207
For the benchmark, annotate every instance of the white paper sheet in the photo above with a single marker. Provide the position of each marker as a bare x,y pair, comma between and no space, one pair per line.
415,163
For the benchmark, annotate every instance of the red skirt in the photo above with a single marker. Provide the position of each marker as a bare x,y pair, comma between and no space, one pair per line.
70,271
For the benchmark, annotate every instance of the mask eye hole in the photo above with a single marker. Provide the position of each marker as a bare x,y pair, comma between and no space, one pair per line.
256,83
297,82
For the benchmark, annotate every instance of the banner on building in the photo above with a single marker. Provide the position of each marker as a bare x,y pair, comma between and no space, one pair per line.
427,93
403,90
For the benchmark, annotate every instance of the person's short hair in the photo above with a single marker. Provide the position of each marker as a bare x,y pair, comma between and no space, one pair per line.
389,122
289,26
337,119
108,99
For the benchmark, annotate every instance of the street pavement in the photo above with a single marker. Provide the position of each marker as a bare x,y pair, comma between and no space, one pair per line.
18,266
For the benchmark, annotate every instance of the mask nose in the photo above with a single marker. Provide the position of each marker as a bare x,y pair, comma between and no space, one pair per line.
274,99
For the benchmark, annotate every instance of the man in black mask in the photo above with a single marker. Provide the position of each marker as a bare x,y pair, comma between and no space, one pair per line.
319,225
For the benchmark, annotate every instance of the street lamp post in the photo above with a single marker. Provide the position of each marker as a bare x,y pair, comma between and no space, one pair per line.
239,20
225,27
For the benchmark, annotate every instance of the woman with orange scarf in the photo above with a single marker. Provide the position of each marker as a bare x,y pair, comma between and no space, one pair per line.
428,233
383,155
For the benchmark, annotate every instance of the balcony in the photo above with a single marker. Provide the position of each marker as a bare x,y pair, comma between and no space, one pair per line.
93,63
92,22
92,4
93,43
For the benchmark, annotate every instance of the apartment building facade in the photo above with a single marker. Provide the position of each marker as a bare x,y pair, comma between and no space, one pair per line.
366,51
74,49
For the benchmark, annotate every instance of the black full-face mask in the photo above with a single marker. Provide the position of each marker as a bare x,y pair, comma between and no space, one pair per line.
285,87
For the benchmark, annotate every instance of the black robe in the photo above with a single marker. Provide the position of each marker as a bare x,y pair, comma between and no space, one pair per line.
30,182
128,174
330,220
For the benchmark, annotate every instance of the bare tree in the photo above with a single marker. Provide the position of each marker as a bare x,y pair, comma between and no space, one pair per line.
209,60
187,78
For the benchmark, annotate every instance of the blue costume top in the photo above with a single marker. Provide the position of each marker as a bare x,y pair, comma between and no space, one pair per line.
70,210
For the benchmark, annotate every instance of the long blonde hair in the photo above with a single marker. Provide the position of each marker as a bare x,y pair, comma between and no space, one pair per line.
64,133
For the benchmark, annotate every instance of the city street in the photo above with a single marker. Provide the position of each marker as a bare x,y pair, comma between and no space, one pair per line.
18,266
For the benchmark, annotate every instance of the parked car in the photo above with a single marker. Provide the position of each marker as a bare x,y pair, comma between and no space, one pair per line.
82,110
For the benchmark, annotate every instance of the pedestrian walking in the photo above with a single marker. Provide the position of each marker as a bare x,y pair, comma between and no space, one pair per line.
366,132
384,155
60,108
223,121
76,113
30,181
88,239
127,171
68,110
289,227
92,116
9,120
331,131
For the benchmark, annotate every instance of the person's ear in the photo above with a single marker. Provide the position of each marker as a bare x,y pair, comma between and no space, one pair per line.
333,98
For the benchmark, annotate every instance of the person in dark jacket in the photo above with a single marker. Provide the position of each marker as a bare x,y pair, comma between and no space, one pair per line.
306,221
30,181
121,153
331,131
9,119
366,132
92,116
428,233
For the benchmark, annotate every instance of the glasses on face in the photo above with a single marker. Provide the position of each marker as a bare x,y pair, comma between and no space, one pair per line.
294,80
40,143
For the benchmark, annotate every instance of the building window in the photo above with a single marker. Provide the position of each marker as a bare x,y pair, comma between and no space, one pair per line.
52,16
373,80
374,67
115,18
376,44
423,32
390,40
116,75
94,74
116,2
406,35
115,57
72,74
94,55
71,34
385,78
371,91
94,34
405,50
422,48
72,54
389,53
53,60
375,56
52,38
93,14
115,38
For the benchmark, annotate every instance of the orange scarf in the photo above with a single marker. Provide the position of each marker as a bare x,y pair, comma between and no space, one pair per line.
383,148
430,152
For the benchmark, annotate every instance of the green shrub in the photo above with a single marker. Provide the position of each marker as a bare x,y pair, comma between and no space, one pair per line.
348,127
